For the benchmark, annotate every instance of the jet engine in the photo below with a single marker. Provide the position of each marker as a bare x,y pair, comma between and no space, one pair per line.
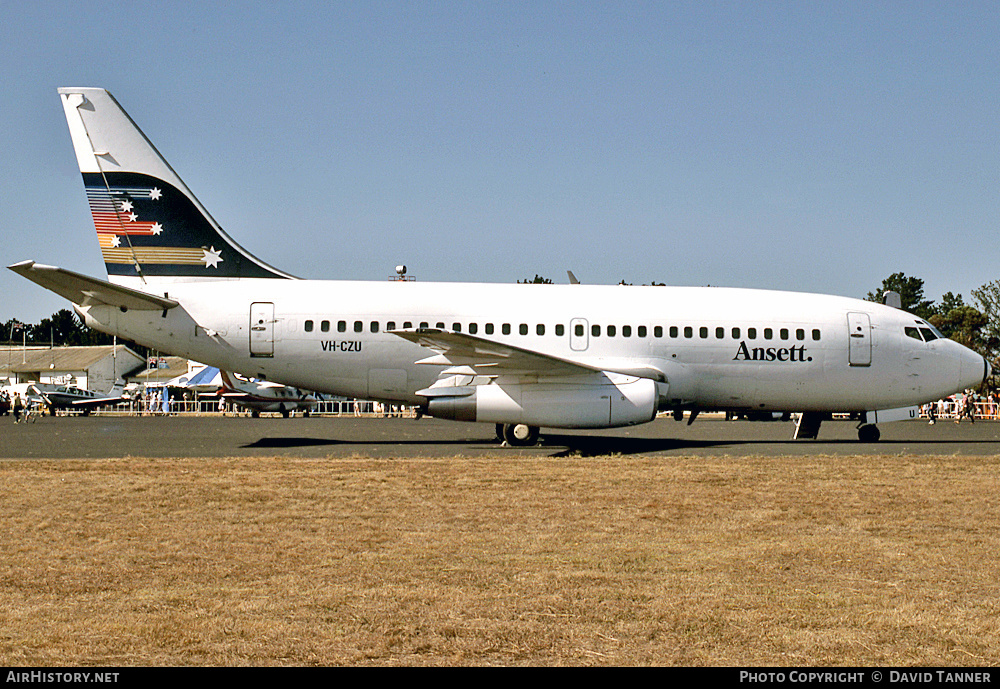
623,402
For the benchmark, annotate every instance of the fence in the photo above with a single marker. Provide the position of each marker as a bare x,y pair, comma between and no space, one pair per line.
210,406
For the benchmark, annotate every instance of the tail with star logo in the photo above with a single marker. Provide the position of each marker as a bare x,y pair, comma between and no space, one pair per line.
149,224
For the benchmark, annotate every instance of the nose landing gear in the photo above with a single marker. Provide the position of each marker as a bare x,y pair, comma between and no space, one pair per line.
868,433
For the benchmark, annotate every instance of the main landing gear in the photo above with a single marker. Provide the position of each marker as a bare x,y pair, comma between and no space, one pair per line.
517,434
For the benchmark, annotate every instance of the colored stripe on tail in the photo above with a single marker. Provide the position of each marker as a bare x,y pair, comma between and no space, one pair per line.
149,224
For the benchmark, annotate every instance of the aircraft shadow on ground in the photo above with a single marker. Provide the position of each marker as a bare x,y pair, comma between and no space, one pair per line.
561,445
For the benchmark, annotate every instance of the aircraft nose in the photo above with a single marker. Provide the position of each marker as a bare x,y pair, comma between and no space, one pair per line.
975,369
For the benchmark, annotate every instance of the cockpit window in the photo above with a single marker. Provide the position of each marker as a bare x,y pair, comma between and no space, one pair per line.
912,332
929,334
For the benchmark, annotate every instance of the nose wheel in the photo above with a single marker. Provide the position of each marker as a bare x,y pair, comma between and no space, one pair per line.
868,433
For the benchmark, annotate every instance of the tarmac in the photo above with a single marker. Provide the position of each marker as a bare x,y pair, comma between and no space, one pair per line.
100,436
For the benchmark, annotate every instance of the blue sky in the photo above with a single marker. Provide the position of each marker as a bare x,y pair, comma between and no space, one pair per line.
785,145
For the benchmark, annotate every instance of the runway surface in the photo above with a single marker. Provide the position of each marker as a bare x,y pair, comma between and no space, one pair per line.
212,436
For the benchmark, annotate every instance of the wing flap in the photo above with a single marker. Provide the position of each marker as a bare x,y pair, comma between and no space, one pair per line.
83,290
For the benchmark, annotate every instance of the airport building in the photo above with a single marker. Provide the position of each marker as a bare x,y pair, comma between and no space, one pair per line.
90,368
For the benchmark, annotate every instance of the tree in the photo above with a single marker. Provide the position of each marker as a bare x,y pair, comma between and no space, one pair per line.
987,299
911,294
964,324
539,280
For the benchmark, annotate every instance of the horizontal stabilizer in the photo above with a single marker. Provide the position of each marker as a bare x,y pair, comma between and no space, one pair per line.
83,290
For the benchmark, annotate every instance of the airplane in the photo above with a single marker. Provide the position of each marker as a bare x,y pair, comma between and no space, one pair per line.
79,399
521,356
55,396
265,396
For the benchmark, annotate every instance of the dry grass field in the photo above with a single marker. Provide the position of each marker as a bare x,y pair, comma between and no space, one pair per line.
719,561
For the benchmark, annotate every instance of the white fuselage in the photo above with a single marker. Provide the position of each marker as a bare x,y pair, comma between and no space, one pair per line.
714,348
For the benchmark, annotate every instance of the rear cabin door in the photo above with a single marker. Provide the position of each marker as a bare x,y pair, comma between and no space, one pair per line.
859,329
262,329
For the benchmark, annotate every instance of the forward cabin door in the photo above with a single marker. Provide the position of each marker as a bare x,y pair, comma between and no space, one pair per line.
262,329
859,328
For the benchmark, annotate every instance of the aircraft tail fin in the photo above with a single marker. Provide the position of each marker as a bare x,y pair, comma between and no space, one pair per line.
149,224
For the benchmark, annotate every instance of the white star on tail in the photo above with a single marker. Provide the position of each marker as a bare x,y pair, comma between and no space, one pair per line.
211,257
155,194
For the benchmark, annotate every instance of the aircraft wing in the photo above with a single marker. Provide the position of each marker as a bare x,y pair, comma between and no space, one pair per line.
97,402
86,291
487,357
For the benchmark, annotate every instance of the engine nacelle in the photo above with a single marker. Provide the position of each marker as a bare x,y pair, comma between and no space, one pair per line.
624,402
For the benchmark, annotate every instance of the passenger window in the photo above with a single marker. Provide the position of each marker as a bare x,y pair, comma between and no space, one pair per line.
736,333
489,328
424,325
341,326
391,325
688,331
612,331
641,331
720,333
752,333
703,332
505,328
457,327
673,331
626,331
309,326
560,329
473,328
784,333
374,326
407,325
768,333
595,330
539,329
359,326
325,326
800,334
523,328
578,330
657,331
440,325
816,334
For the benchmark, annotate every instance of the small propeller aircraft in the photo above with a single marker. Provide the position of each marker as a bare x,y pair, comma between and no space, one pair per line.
264,396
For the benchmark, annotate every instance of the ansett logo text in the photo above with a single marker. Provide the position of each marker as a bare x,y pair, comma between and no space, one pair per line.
745,353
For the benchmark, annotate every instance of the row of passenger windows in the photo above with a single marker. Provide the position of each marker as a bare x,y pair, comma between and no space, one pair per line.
674,331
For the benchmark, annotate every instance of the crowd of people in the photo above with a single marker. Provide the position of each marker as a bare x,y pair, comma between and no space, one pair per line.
969,405
22,409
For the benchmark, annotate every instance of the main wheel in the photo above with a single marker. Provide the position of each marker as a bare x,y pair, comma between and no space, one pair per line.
520,435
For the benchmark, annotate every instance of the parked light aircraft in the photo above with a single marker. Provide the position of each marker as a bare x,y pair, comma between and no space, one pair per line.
265,396
522,356
85,401
72,397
